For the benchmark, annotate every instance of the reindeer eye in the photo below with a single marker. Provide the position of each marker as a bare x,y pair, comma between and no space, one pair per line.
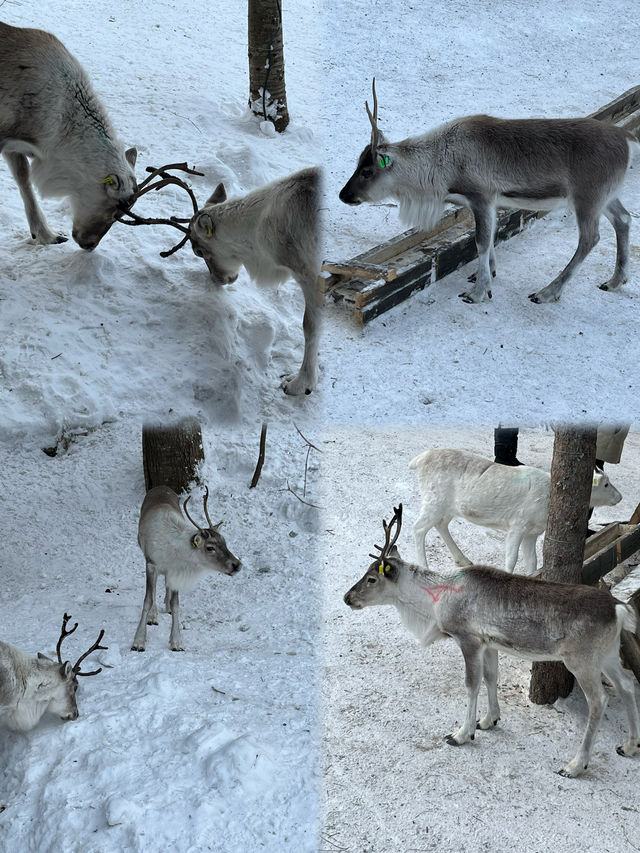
372,579
197,252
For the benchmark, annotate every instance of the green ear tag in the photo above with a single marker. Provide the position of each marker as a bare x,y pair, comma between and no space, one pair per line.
383,159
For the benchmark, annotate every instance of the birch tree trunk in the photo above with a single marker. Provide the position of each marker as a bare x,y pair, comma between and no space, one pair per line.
267,95
574,456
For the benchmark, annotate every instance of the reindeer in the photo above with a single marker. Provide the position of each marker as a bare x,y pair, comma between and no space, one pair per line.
171,548
30,686
457,484
50,113
486,610
484,163
273,233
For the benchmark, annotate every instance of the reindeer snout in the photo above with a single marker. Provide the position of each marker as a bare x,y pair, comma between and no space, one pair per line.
72,716
347,196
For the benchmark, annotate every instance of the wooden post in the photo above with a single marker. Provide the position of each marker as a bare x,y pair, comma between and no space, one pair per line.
574,456
171,454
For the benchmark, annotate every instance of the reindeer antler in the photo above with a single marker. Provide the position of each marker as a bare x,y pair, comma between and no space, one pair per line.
375,133
64,633
206,512
94,647
389,543
165,179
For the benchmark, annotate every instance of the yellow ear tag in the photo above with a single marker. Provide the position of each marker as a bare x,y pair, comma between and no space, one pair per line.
196,541
209,231
108,180
382,569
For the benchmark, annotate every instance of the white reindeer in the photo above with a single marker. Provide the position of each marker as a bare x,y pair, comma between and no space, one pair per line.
273,233
486,610
172,549
457,484
484,163
49,112
30,686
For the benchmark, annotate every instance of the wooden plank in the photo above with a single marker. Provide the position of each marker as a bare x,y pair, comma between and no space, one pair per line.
608,557
602,538
360,269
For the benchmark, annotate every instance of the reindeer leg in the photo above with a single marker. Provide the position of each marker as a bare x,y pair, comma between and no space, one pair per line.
529,558
459,558
589,234
473,660
175,638
511,547
490,675
140,640
590,682
620,219
485,216
21,171
624,685
305,380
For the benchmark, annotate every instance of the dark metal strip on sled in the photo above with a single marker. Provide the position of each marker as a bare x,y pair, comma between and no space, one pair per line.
386,275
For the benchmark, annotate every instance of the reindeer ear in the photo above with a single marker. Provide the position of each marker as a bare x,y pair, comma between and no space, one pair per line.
131,155
218,195
205,224
66,669
217,526
196,540
43,660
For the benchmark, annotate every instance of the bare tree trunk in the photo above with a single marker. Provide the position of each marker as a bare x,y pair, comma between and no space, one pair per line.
268,97
574,456
171,454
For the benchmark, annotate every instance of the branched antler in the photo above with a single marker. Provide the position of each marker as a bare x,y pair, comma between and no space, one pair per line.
389,543
94,647
206,512
165,179
64,633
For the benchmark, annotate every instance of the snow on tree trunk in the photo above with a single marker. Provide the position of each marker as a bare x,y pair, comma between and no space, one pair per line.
267,96
574,456
171,454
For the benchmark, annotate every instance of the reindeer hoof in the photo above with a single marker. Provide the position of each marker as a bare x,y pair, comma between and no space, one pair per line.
61,238
177,648
137,647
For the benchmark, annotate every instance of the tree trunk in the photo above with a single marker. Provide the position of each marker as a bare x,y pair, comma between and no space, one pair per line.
574,456
267,97
171,454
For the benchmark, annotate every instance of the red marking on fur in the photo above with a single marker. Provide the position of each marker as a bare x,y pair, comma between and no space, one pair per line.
436,591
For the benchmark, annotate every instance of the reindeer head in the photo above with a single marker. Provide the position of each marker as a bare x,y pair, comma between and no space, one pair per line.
208,240
603,492
373,177
60,680
377,584
97,206
211,544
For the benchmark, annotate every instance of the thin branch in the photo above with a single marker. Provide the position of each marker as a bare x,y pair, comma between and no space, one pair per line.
302,501
263,444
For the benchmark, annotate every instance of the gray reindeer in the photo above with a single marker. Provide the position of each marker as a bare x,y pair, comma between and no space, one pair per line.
485,163
486,610
50,113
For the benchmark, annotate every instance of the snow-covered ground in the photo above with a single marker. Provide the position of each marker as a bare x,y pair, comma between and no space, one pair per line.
218,748
390,780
